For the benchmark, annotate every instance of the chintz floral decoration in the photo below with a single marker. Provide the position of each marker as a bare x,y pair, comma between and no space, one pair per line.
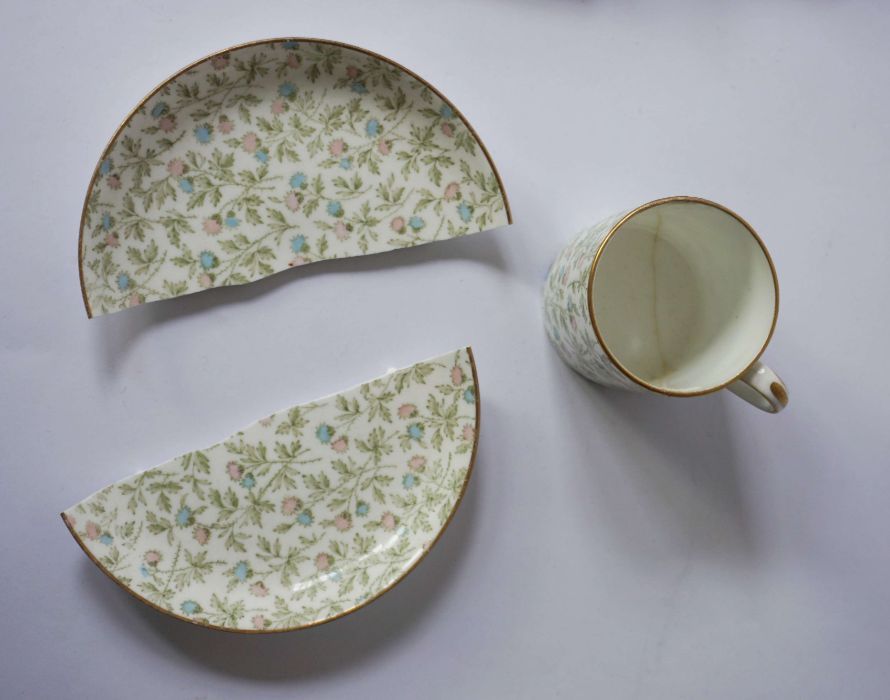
301,517
566,312
276,155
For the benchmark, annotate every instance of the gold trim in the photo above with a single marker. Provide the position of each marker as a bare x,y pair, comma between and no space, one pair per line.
260,42
780,393
590,276
316,623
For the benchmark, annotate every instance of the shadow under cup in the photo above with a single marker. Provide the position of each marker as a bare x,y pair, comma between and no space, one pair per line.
684,296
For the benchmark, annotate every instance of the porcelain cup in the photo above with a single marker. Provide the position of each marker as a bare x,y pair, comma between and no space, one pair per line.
678,296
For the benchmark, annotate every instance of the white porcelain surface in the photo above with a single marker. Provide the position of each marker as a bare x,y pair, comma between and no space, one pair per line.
684,296
678,296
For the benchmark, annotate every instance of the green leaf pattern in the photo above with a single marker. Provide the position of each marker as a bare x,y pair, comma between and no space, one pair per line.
566,315
300,517
276,155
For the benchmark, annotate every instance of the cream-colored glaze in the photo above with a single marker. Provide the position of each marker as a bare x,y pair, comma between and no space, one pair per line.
678,296
683,296
762,387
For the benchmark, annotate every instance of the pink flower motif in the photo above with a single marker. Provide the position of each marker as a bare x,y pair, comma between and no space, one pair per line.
292,201
383,147
114,182
167,124
201,534
417,463
93,531
234,471
457,375
220,62
175,167
323,561
451,191
278,106
71,520
152,557
290,505
343,522
205,280
388,521
266,422
112,240
134,300
297,261
249,142
259,589
397,224
406,410
351,72
225,126
212,226
339,445
258,621
340,231
448,129
468,432
293,61
337,147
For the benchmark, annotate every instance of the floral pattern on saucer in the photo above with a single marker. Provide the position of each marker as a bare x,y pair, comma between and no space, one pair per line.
274,155
303,516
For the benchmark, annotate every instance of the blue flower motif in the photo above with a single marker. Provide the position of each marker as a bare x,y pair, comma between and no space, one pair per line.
105,167
415,431
335,576
159,109
202,133
184,516
144,571
186,185
208,260
446,112
346,163
362,508
106,538
248,481
291,44
232,221
373,127
470,395
297,180
190,607
416,223
123,281
465,212
106,221
305,518
286,89
241,570
359,88
324,433
408,481
298,245
262,155
335,208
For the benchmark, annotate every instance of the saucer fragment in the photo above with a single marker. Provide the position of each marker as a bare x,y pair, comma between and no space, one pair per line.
272,155
300,518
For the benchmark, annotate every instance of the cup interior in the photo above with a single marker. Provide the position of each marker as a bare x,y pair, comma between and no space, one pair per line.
683,296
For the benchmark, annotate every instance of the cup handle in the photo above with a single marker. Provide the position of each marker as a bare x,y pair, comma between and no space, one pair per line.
761,387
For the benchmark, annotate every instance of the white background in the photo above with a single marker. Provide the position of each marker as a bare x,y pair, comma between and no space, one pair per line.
610,545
